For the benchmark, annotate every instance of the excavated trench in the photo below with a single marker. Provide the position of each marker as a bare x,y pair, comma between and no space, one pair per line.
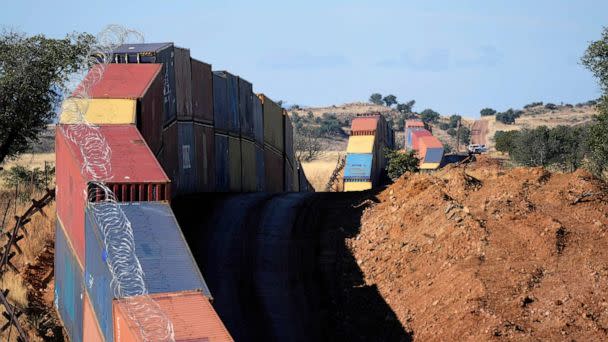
279,269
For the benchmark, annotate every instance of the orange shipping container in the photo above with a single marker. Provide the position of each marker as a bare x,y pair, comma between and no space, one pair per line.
191,314
364,125
414,123
91,330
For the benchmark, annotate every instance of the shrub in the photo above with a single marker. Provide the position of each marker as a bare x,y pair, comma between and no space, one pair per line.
429,115
28,180
376,98
487,112
399,163
551,106
444,126
533,104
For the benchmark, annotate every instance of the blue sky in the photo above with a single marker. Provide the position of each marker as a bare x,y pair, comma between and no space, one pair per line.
451,56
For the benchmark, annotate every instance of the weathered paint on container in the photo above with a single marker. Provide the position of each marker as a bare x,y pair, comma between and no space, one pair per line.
429,166
288,136
232,94
131,160
154,53
364,125
273,123
91,329
248,166
191,314
258,120
68,285
98,111
246,109
202,92
164,256
357,186
361,144
289,181
274,170
409,143
234,163
414,123
186,181
222,164
358,166
431,149
183,83
169,158
220,102
416,135
260,169
204,146
151,114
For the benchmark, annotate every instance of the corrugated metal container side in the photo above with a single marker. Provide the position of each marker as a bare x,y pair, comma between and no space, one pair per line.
408,136
246,109
202,92
232,93
258,120
204,142
288,136
431,149
183,83
187,182
71,192
274,170
288,169
357,186
416,135
414,123
220,102
68,285
99,111
260,169
248,166
234,159
364,125
361,144
91,329
222,164
191,314
169,157
150,114
296,177
163,253
358,166
154,53
273,123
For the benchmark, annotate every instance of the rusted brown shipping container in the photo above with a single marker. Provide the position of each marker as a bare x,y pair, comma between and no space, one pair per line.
273,123
204,143
288,136
258,121
274,166
202,92
169,158
246,109
248,166
183,83
234,161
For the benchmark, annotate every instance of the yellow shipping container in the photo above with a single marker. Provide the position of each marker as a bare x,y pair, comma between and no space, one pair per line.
429,166
360,144
99,111
357,186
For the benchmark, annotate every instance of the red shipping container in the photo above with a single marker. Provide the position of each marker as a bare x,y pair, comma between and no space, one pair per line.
191,314
414,123
416,135
364,125
131,162
141,82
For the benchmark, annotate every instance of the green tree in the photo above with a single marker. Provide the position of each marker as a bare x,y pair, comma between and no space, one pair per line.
429,115
406,107
504,141
390,100
376,98
330,125
454,120
34,71
596,60
399,162
487,112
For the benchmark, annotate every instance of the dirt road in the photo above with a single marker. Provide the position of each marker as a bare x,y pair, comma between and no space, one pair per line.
479,132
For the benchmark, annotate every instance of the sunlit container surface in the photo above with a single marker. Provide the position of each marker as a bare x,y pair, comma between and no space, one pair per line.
357,186
429,166
99,111
68,285
431,149
361,144
409,142
191,314
273,123
234,162
364,125
358,167
91,329
414,123
416,135
132,163
165,258
202,91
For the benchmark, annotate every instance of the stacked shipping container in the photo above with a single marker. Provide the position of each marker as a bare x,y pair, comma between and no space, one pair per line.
210,132
428,148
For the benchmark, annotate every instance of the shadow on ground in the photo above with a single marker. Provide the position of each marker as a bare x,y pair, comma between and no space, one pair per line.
279,268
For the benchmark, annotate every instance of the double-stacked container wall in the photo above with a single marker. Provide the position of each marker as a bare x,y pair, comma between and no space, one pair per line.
273,145
183,83
291,170
202,92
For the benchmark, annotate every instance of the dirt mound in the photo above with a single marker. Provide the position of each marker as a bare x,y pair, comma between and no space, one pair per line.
485,253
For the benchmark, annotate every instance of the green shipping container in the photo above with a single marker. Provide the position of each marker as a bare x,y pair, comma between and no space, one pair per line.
273,123
234,161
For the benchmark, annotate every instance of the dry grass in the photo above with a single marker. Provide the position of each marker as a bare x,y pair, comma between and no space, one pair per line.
31,160
17,290
318,171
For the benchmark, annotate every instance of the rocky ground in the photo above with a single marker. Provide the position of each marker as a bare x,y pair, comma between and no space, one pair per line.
487,253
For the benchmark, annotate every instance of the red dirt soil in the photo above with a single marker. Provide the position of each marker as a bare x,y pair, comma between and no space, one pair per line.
484,253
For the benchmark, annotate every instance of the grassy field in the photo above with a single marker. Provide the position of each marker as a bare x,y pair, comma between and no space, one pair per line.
318,171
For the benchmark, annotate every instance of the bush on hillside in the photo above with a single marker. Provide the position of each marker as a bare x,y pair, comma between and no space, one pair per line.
429,115
551,106
533,104
487,112
399,162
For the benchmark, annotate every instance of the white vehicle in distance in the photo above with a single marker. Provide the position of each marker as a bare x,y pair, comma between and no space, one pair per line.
477,148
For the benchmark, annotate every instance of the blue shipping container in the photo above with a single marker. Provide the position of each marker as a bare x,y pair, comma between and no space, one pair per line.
220,102
260,169
161,53
358,166
164,255
246,109
68,285
258,120
186,182
222,165
433,155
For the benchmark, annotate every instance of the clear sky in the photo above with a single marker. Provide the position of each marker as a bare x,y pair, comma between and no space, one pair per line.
451,56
